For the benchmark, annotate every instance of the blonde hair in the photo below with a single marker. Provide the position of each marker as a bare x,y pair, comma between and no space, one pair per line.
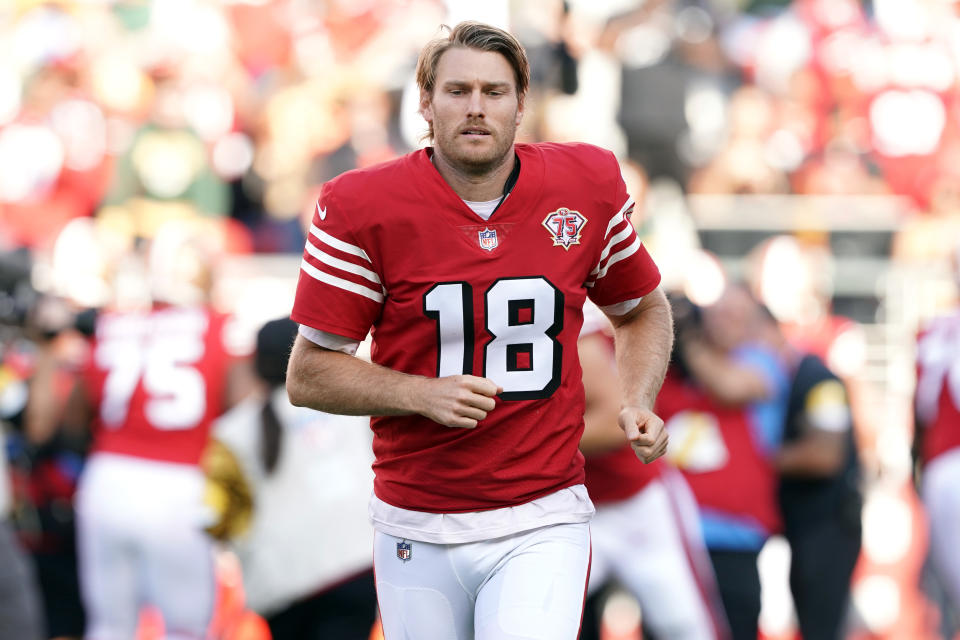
473,35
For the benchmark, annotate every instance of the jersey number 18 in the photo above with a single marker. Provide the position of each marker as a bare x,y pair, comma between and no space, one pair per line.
523,317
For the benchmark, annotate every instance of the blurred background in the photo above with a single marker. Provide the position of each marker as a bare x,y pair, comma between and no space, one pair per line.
810,147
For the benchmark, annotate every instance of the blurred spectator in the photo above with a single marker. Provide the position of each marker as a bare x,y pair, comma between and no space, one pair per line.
819,495
41,348
937,405
724,401
646,533
928,240
278,476
673,81
47,463
742,166
794,280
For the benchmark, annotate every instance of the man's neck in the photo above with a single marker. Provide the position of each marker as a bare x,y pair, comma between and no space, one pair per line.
476,187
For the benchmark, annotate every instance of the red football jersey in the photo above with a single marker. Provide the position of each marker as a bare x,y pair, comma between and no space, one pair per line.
741,482
938,385
156,380
618,475
394,248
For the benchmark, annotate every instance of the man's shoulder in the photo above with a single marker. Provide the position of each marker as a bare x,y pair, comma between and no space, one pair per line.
369,181
581,155
811,370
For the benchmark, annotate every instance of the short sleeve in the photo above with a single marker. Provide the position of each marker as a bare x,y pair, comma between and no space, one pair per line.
826,407
340,290
623,270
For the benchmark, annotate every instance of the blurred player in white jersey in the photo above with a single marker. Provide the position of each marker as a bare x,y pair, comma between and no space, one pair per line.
155,379
646,532
937,407
470,261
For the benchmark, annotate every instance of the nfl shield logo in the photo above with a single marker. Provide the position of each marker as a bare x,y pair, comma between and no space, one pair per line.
404,550
488,239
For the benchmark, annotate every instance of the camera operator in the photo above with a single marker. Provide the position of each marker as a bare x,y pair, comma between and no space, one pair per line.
44,463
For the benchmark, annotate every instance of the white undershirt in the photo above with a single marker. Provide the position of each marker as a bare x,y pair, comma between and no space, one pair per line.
484,209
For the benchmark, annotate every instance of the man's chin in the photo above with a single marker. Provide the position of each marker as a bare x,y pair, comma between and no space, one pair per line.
479,160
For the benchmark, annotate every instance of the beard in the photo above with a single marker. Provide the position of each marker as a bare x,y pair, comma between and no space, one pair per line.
475,157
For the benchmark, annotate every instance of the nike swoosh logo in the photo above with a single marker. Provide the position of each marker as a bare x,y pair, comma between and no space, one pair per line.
322,212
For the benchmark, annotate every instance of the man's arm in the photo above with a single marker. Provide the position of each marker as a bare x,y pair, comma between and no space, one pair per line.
644,338
824,427
817,454
725,379
335,382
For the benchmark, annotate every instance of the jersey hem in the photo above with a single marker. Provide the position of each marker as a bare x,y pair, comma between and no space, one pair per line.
573,482
565,506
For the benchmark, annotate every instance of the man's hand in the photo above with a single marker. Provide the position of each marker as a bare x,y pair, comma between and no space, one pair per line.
645,431
458,401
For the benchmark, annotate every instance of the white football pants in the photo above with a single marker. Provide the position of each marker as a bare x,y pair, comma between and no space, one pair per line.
528,586
140,543
652,544
941,496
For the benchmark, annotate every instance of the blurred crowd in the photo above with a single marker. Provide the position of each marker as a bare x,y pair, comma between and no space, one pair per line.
146,147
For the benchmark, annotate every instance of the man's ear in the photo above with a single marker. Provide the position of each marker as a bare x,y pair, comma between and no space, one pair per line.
426,106
519,117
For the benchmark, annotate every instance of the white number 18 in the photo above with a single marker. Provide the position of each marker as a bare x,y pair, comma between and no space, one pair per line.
523,316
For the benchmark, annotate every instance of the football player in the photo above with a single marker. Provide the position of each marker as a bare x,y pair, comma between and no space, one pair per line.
471,260
155,379
937,408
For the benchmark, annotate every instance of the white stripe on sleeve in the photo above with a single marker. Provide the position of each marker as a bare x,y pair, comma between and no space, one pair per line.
618,256
340,283
621,215
621,308
621,235
328,239
343,265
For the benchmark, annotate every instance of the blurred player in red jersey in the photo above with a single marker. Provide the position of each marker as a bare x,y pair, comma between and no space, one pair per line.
471,261
937,406
646,532
155,379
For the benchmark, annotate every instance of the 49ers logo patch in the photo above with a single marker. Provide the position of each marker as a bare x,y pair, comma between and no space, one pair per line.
565,227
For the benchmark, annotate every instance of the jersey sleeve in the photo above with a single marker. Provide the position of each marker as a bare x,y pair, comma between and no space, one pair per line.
623,272
340,289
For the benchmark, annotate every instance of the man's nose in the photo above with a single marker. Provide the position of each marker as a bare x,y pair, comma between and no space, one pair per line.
475,105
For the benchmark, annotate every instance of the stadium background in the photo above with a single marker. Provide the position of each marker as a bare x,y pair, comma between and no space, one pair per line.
832,126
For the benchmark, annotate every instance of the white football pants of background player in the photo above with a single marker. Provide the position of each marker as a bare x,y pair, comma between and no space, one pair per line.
652,544
941,478
141,542
527,586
